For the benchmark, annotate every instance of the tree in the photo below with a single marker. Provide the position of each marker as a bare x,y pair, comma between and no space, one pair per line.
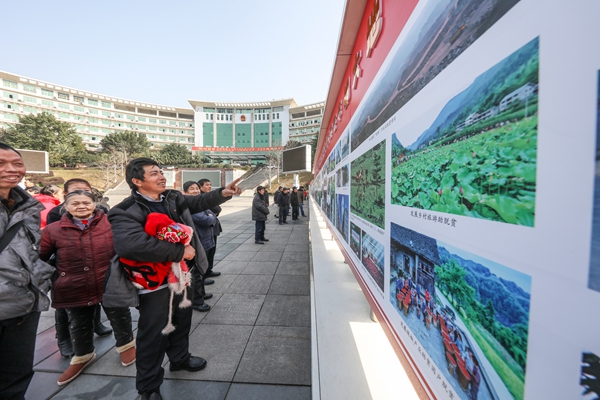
451,276
291,144
313,147
44,132
175,153
113,165
128,142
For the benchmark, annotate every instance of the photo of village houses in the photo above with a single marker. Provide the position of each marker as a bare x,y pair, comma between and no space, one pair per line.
441,32
470,314
355,239
373,258
478,157
342,220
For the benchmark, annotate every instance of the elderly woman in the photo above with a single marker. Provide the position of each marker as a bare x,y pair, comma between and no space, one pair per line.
83,244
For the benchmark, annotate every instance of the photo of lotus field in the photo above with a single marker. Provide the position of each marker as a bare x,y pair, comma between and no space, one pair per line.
478,158
367,185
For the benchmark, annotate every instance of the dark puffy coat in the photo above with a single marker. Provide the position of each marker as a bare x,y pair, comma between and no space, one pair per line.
82,259
203,223
128,219
24,279
283,200
217,226
276,196
259,208
294,199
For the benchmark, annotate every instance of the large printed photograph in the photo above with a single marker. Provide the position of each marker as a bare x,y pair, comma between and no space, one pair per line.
470,314
590,376
367,185
478,157
441,32
594,272
342,220
373,258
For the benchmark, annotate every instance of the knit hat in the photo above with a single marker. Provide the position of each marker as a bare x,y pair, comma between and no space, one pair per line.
258,189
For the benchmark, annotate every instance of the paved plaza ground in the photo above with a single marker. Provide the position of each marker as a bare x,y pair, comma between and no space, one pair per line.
256,337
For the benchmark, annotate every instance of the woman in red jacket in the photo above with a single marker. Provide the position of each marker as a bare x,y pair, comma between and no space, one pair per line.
83,243
50,197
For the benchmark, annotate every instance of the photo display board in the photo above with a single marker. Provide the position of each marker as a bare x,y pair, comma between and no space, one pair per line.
459,172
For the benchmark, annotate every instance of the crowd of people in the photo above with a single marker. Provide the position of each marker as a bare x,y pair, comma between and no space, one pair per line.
412,296
82,254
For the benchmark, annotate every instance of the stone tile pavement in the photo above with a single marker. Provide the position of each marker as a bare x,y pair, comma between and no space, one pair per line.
256,337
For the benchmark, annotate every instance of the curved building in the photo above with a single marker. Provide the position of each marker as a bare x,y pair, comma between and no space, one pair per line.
94,115
231,132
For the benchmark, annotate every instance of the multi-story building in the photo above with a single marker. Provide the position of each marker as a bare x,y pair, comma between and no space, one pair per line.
305,122
94,115
228,131
241,131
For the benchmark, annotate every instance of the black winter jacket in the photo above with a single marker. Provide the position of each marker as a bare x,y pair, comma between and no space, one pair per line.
294,199
128,219
259,208
283,200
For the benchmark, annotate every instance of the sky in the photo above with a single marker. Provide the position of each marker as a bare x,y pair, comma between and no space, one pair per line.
167,53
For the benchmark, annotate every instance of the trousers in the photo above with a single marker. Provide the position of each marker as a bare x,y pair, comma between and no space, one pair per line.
81,327
282,214
17,348
259,230
152,345
210,256
199,290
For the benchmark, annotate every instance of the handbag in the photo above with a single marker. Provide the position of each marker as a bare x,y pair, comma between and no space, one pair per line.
9,235
119,291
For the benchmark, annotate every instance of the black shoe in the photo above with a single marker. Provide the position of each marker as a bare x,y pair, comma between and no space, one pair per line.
66,348
258,242
208,282
212,274
99,328
203,308
63,339
285,222
102,330
264,240
277,216
208,296
153,395
192,364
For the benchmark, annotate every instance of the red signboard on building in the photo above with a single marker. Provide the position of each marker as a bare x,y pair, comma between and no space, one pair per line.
236,149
